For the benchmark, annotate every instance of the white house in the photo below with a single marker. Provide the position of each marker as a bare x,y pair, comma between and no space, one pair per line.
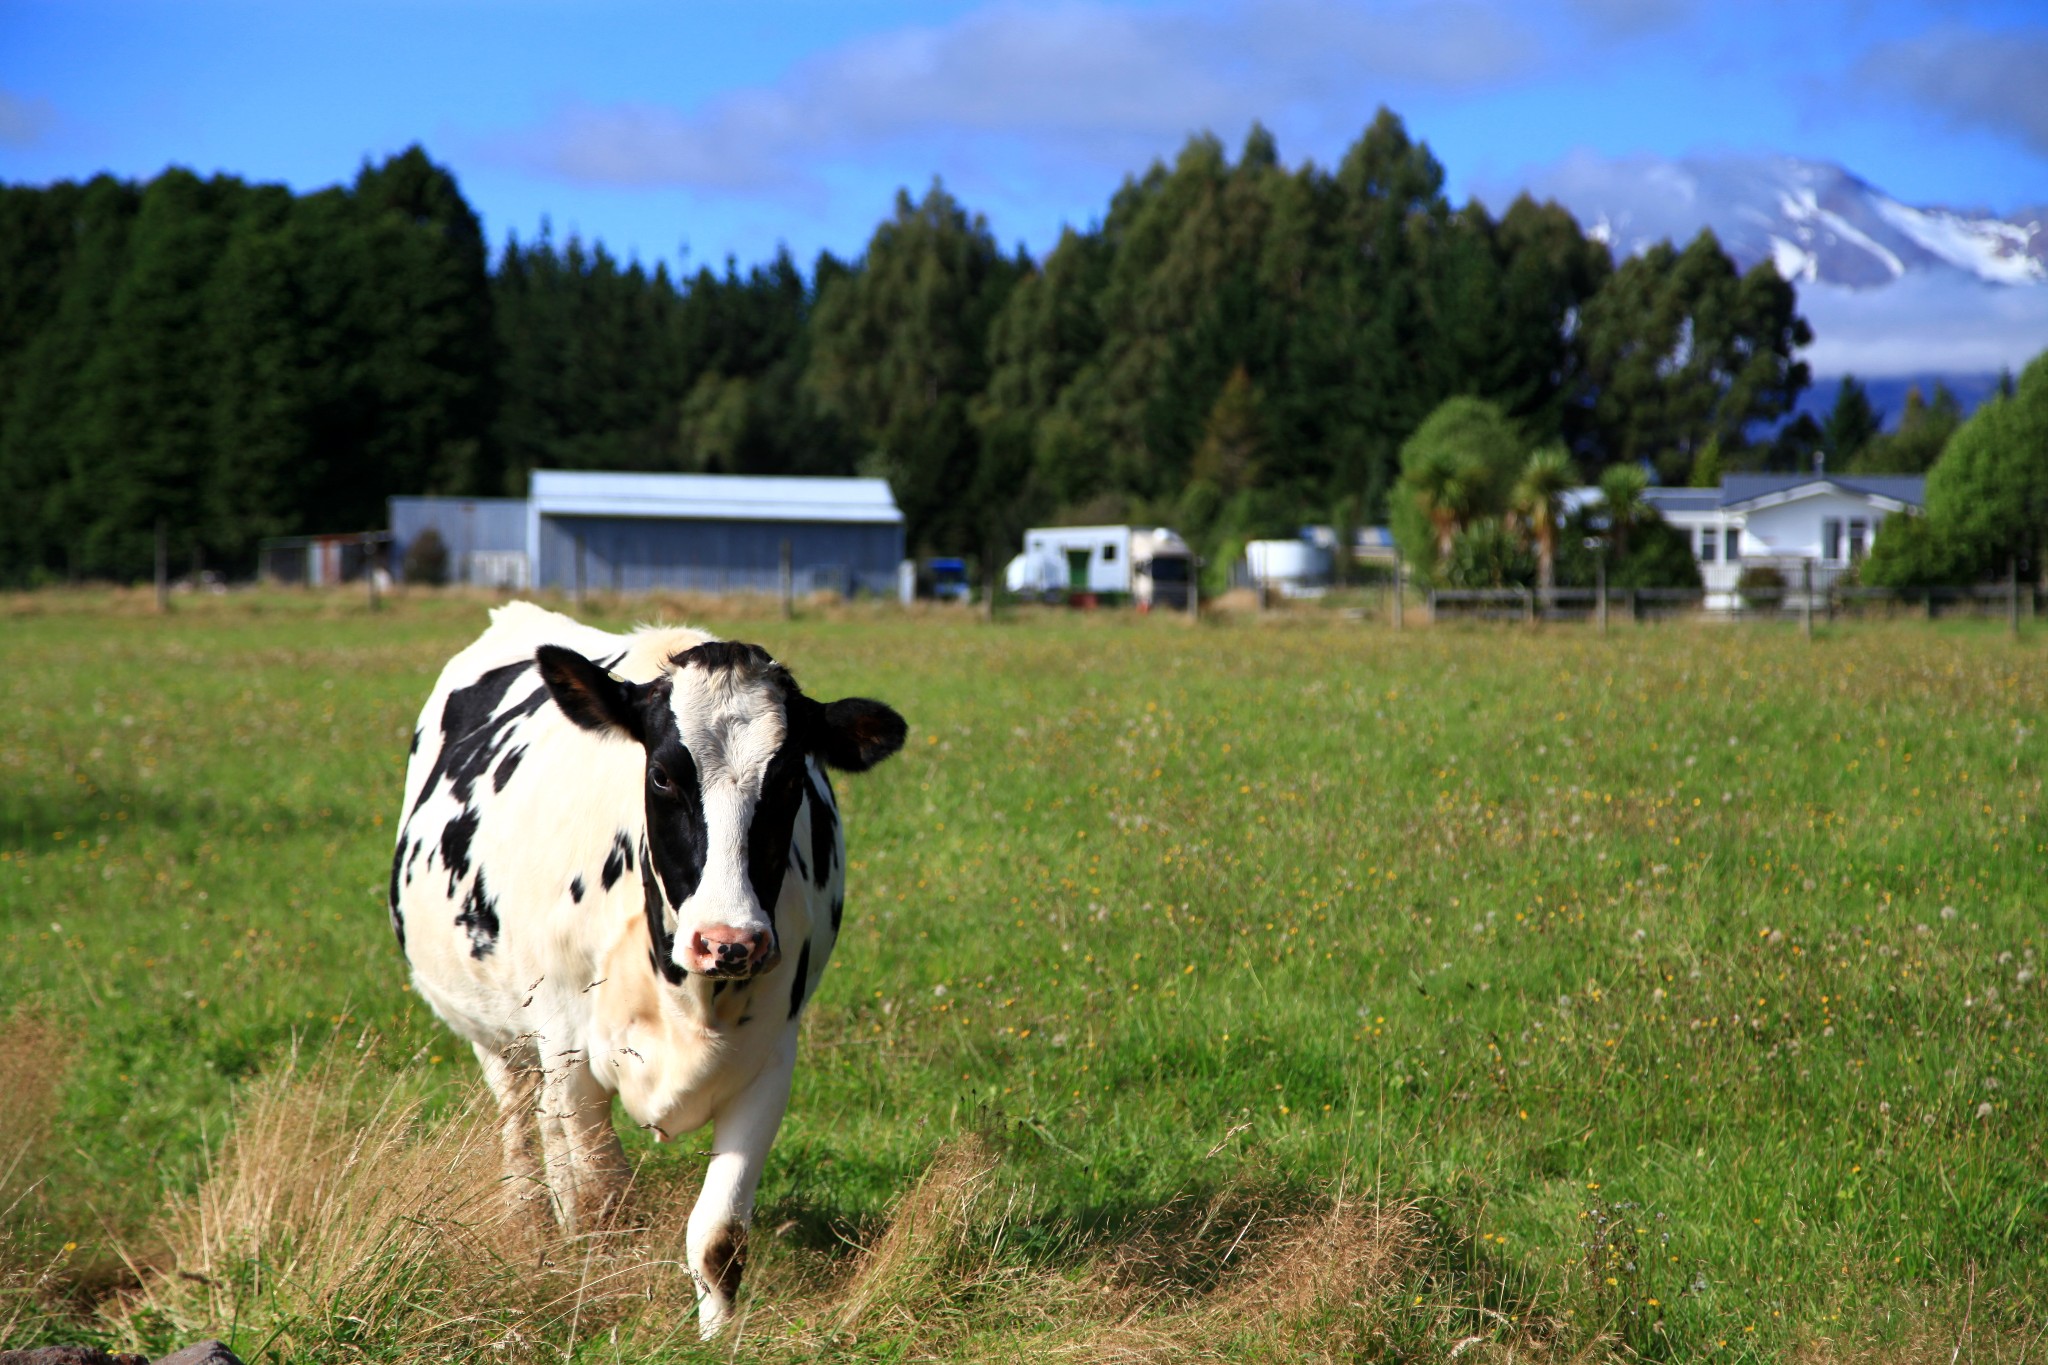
1796,523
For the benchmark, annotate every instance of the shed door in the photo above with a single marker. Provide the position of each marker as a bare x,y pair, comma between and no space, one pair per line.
1077,570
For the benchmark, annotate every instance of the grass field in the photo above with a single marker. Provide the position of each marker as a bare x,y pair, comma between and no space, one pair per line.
1273,990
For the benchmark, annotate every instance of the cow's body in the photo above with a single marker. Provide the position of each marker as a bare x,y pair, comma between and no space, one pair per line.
540,903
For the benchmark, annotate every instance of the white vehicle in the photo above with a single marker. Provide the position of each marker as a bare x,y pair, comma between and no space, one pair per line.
1292,568
1151,565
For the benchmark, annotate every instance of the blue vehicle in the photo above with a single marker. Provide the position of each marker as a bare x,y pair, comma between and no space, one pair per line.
948,578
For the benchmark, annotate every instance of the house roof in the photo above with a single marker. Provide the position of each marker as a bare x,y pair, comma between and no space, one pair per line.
1683,499
1741,492
712,497
1742,489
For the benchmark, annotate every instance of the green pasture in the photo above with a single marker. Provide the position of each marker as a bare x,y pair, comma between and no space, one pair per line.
1684,983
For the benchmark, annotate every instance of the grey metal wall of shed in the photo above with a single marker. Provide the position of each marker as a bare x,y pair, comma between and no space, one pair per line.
635,554
468,526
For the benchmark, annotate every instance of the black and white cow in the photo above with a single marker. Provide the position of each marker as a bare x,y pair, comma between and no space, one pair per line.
620,872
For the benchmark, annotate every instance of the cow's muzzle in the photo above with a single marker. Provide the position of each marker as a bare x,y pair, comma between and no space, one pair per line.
720,950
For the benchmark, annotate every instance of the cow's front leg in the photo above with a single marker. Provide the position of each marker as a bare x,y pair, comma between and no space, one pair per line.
586,1165
515,1083
742,1132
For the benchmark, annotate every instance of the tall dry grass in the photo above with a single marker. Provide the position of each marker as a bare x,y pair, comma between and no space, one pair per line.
35,1263
346,1217
343,1212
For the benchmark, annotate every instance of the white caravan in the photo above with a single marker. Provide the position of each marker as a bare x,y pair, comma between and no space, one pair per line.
1151,565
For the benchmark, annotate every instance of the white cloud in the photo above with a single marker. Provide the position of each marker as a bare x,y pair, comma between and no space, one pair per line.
1631,18
1924,324
1972,78
1084,79
23,121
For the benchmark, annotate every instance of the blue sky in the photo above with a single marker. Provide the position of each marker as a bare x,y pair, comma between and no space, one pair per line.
732,128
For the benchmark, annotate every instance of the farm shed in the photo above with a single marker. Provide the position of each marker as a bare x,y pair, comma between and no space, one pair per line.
711,532
486,537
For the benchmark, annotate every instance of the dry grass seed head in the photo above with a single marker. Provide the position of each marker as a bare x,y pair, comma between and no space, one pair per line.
338,1207
924,1257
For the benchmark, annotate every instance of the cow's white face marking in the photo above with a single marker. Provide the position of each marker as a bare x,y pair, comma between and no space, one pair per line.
726,726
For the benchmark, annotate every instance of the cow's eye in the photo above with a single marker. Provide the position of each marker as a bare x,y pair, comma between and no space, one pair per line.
658,776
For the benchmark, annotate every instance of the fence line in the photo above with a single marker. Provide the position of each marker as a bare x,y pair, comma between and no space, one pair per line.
1789,604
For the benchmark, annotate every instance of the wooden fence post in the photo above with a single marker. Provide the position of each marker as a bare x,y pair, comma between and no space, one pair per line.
1806,597
2012,596
788,581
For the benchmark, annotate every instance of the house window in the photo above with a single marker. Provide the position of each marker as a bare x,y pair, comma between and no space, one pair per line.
1109,554
1734,544
1709,542
1859,538
1831,540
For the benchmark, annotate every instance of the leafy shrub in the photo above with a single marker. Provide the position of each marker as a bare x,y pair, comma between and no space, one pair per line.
426,558
1486,555
1659,556
1914,552
1761,586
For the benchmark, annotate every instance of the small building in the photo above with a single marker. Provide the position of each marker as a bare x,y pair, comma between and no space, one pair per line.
1152,566
1809,527
485,538
627,532
715,533
323,561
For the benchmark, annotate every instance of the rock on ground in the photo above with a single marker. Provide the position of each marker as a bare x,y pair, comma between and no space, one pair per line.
199,1353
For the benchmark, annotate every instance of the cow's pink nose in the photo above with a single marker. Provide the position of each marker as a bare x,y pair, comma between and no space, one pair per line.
721,950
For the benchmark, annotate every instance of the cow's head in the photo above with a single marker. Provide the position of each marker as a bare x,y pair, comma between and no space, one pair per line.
726,731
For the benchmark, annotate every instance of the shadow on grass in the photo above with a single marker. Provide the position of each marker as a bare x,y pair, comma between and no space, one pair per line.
34,819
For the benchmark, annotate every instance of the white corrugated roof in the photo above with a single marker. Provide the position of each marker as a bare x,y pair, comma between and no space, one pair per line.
712,497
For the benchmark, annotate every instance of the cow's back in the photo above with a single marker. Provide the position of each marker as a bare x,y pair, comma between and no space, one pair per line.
513,868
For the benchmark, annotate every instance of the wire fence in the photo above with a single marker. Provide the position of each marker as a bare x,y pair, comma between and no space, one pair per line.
1792,605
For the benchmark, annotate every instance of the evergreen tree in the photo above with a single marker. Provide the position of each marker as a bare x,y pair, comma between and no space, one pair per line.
1923,433
42,425
900,350
1681,350
421,310
1851,425
144,417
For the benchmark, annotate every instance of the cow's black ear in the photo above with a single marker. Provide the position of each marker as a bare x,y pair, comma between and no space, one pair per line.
589,695
856,734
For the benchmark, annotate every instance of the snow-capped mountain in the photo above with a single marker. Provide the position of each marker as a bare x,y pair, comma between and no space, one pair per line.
1817,221
1891,289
